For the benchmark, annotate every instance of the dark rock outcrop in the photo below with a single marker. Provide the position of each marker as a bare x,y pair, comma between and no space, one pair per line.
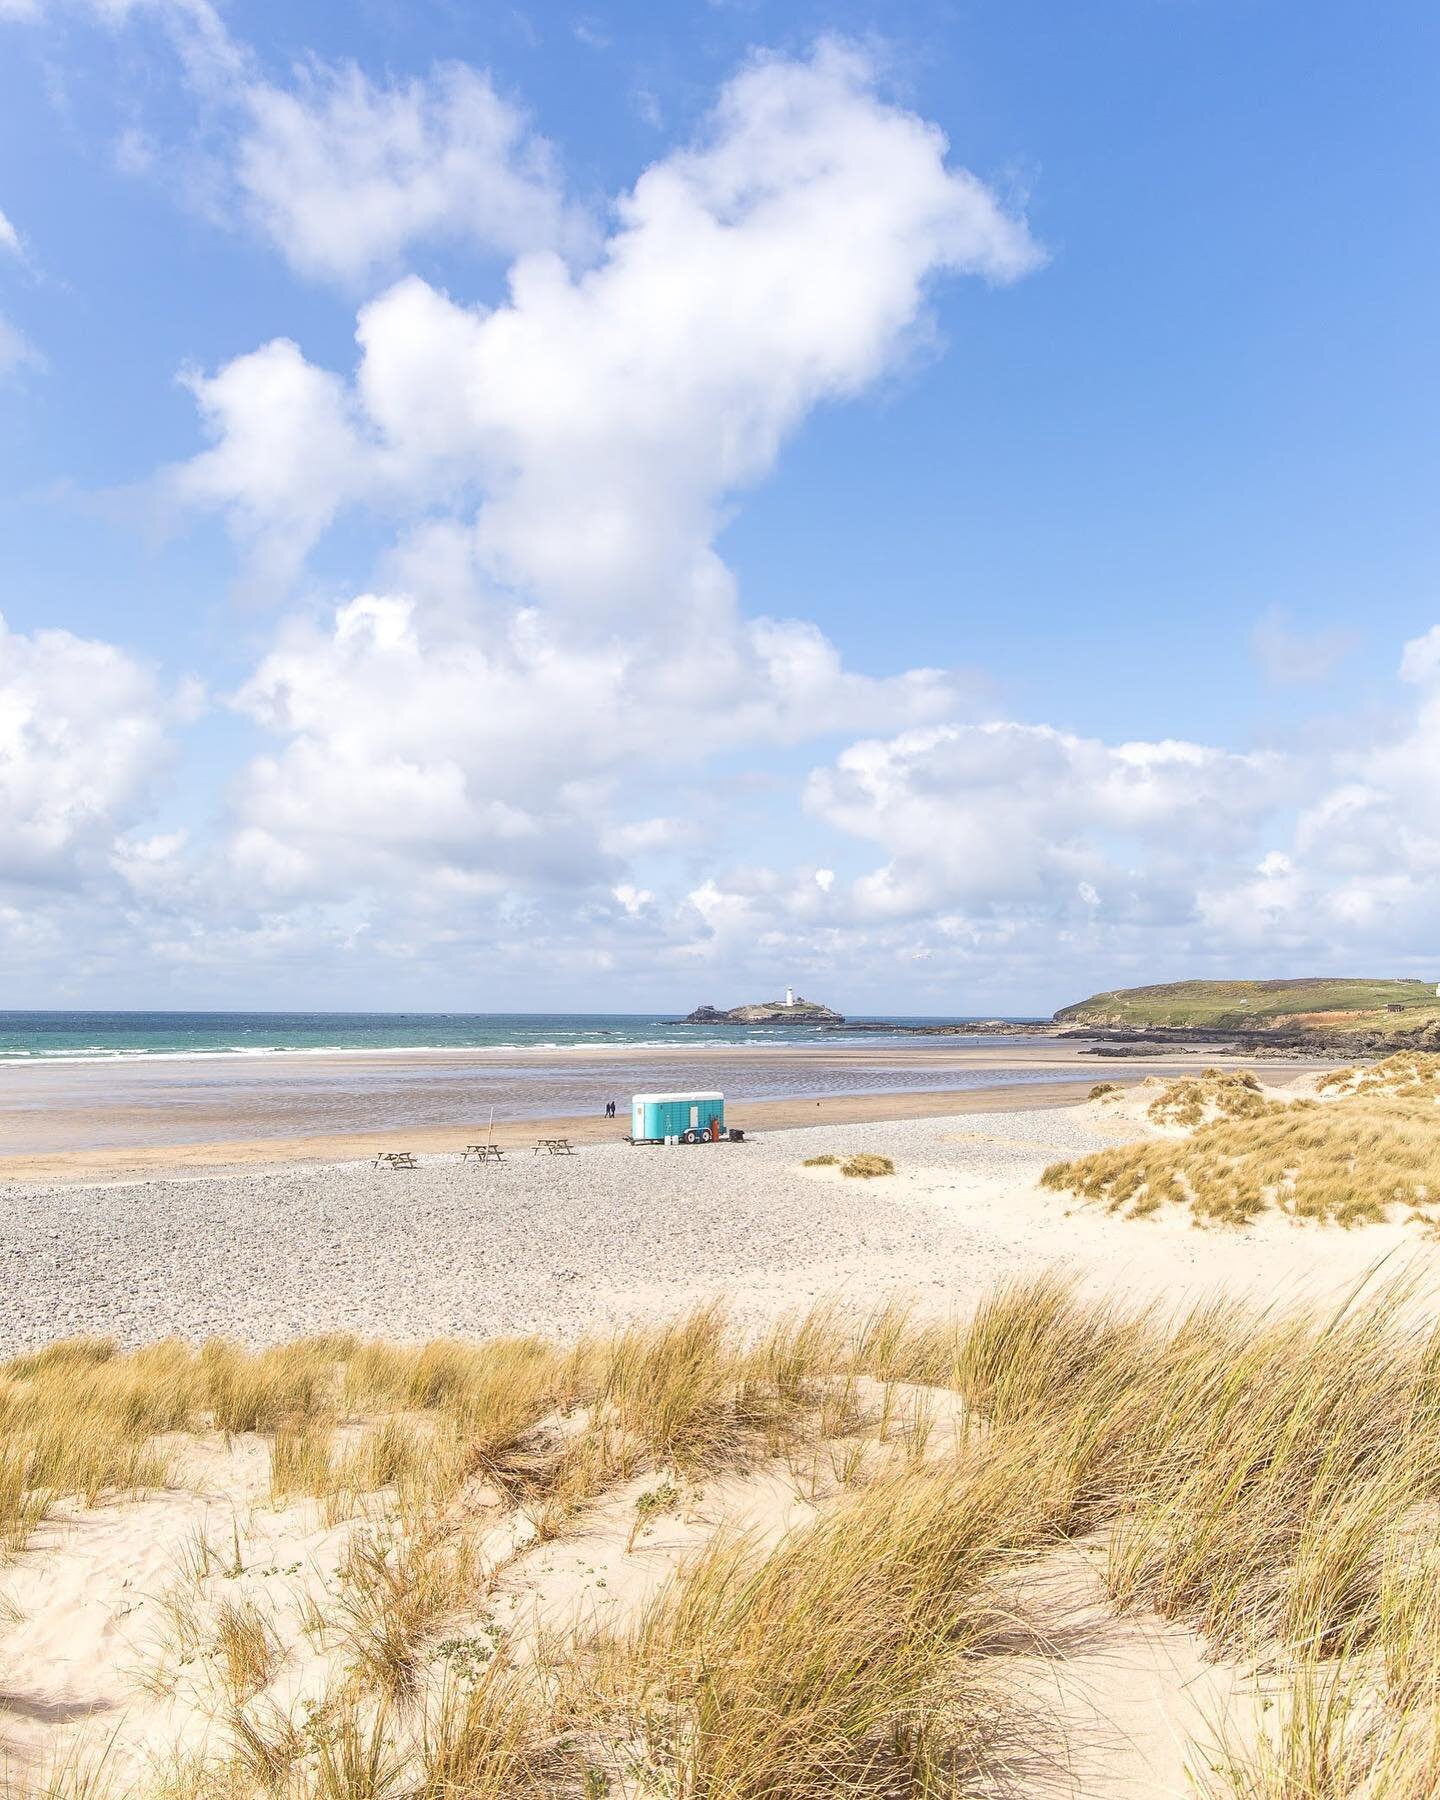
768,1012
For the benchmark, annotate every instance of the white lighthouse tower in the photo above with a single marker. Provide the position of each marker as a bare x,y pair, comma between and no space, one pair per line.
789,996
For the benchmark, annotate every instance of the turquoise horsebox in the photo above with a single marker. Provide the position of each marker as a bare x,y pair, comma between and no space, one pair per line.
657,1118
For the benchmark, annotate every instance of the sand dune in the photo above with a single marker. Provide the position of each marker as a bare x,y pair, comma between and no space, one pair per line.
339,1555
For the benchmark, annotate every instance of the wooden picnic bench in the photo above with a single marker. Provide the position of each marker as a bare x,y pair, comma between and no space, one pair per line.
396,1159
556,1146
485,1153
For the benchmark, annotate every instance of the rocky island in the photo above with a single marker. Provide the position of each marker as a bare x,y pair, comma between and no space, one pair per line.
792,1010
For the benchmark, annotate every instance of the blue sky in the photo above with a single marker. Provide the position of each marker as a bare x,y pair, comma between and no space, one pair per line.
1083,357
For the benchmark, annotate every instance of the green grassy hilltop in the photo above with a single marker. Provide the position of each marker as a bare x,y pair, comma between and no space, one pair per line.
1394,1007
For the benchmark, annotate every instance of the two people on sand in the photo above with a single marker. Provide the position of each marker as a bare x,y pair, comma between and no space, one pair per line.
609,1109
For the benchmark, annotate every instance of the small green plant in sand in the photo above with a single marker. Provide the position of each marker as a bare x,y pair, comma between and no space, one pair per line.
865,1166
650,1505
820,1162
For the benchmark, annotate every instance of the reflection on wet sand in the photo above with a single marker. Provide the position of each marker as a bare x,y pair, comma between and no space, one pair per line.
275,1101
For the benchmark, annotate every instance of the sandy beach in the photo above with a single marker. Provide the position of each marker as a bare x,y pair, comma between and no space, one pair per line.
225,1155
201,1616
566,1244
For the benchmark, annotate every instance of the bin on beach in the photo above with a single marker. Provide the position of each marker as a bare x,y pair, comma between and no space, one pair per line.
656,1117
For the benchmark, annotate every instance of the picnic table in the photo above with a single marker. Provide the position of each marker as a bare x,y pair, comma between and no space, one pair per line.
556,1146
485,1153
396,1159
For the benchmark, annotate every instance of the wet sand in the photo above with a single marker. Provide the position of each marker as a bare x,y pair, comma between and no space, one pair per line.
107,1104
226,1156
127,1120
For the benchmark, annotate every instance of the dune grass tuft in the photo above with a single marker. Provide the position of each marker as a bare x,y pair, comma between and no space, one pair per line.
1410,1074
247,1649
861,1165
1212,1094
865,1166
1347,1162
1270,1480
829,1665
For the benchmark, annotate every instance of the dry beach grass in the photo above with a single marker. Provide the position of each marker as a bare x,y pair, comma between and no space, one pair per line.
681,1560
1365,1149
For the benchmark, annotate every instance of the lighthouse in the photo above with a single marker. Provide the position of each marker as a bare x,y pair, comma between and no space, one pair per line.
789,996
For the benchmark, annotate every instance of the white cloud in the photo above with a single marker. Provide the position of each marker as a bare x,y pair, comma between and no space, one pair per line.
1420,661
283,452
634,900
460,764
211,58
82,738
344,174
991,816
488,751
571,618
1017,855
1374,833
10,238
781,262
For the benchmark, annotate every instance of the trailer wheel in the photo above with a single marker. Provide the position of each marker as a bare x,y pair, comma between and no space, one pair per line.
690,1137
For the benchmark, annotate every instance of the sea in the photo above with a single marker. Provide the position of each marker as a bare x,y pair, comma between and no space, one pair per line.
86,1036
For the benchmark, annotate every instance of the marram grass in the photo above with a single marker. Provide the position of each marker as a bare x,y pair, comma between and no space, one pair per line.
1214,1093
1271,1481
1367,1157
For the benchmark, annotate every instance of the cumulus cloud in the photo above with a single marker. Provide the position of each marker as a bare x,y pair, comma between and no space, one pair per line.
494,757
779,263
993,815
1420,661
1014,852
283,453
450,757
82,738
1374,834
572,617
345,174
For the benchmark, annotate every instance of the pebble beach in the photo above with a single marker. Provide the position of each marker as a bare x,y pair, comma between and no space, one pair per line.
562,1245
